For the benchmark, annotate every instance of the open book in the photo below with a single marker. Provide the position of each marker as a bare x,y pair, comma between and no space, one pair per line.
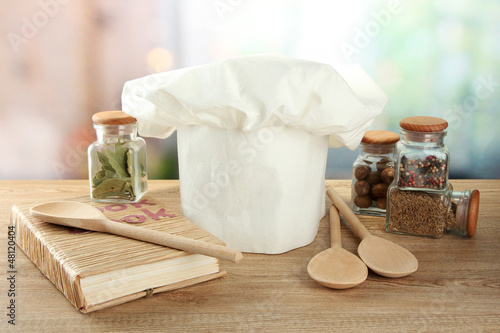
98,270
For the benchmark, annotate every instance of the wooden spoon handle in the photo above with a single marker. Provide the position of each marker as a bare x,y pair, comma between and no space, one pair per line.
174,241
356,225
335,237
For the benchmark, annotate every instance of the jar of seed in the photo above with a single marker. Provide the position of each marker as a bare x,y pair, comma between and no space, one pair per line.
117,160
421,201
373,172
432,213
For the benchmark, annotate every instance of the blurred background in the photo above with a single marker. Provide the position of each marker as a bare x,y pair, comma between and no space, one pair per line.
63,60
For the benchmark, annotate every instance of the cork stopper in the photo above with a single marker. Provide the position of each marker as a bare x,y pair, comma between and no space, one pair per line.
112,118
423,124
380,137
473,213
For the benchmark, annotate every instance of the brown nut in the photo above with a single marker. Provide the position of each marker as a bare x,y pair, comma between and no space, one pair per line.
380,190
387,175
382,203
382,164
361,172
361,187
363,201
373,177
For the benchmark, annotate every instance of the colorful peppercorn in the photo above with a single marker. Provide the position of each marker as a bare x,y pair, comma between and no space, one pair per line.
429,172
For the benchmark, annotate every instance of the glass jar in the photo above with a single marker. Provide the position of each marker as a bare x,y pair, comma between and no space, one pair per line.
421,201
373,172
117,160
432,213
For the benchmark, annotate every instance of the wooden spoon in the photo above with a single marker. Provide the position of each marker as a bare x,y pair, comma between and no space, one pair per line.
380,255
336,267
83,216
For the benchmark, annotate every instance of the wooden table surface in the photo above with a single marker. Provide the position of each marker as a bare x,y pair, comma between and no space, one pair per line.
455,289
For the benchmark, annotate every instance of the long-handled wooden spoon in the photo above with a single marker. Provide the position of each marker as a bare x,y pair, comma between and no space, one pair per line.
336,267
380,255
83,216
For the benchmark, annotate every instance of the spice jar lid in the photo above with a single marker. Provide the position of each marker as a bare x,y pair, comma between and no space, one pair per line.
473,213
380,137
112,118
423,124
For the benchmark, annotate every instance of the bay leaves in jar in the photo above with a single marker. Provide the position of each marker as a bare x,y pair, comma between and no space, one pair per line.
103,159
116,177
130,163
118,161
101,176
110,187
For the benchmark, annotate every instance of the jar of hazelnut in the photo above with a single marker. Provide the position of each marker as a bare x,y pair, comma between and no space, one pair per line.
373,172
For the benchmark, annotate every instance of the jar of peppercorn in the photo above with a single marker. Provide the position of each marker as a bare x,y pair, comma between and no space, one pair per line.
373,172
421,201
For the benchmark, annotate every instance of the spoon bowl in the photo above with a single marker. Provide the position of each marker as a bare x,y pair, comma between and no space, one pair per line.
336,267
71,214
380,255
386,258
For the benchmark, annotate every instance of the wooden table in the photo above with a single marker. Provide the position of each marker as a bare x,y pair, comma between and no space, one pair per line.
456,288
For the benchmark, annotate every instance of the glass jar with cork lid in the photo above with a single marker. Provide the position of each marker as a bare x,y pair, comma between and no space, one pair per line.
117,160
421,201
373,172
